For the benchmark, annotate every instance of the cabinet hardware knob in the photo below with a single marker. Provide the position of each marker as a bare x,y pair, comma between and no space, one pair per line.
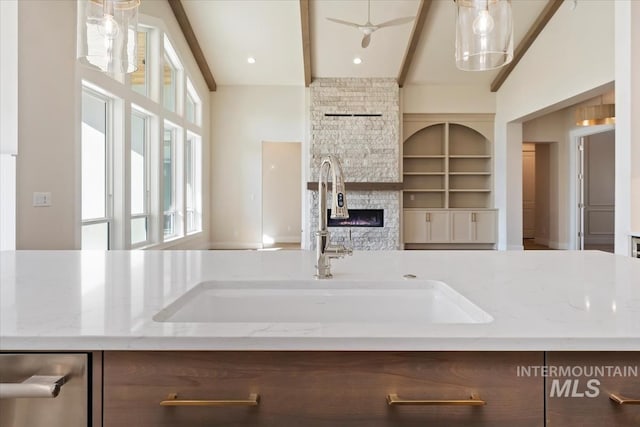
393,399
172,400
621,400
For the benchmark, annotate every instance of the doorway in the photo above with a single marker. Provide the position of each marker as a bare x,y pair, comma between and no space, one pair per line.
536,195
281,195
596,191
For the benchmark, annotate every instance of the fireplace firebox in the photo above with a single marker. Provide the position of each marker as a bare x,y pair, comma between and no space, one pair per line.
358,218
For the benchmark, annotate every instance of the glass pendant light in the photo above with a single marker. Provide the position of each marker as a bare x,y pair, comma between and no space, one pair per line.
484,34
107,35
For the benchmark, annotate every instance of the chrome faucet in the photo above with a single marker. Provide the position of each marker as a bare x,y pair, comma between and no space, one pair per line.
324,249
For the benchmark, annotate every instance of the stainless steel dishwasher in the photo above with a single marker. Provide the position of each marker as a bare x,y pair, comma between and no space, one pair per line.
38,389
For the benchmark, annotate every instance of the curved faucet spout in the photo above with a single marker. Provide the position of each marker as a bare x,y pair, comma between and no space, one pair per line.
324,249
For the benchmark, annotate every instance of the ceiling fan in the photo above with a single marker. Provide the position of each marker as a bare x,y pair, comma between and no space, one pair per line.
368,28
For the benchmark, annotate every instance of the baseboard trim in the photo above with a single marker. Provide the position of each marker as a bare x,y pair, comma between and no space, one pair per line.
558,245
234,245
287,239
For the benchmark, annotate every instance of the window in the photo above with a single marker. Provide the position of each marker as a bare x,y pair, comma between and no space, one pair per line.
192,104
96,173
140,77
190,109
193,178
169,181
141,163
139,179
171,74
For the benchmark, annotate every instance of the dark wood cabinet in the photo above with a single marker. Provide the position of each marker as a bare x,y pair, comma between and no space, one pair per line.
583,398
321,388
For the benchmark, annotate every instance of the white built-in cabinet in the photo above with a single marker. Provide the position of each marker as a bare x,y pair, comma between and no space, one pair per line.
447,180
446,226
422,226
473,226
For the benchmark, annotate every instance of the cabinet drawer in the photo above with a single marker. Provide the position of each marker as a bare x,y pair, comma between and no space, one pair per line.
575,402
321,388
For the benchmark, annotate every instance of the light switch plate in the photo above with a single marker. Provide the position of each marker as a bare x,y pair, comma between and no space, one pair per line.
41,199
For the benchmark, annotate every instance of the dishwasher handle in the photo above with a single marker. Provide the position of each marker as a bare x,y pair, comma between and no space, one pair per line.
34,386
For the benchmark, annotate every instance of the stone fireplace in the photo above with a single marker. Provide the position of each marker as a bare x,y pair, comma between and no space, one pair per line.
358,120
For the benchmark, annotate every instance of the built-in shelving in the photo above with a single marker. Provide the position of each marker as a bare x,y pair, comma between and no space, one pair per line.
451,160
447,182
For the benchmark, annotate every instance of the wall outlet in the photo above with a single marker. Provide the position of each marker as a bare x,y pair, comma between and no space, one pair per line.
41,199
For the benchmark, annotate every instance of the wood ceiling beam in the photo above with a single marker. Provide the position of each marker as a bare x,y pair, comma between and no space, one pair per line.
545,16
421,17
306,40
192,41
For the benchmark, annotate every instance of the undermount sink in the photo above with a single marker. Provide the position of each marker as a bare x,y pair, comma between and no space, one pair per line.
313,301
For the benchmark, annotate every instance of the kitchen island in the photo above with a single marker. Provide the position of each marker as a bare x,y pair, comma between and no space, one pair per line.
529,311
539,300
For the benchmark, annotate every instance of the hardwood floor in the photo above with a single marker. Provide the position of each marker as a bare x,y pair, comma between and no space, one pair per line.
603,248
531,245
281,247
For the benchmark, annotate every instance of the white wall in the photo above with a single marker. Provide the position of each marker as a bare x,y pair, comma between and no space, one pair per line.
241,118
447,99
572,56
47,122
627,53
632,83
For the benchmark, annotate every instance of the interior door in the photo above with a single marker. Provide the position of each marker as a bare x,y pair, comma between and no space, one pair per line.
281,193
599,191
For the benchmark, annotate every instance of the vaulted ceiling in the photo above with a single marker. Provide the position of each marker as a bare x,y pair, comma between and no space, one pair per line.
274,33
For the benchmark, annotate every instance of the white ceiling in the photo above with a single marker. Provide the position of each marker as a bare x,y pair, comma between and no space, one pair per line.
333,46
229,31
434,61
270,30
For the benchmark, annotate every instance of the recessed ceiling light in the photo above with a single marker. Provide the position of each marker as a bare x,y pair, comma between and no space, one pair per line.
357,60
251,60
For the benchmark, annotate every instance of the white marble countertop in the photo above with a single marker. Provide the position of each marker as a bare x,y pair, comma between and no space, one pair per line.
540,300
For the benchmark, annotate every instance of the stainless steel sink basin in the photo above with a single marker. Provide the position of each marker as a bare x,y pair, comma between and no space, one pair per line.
312,301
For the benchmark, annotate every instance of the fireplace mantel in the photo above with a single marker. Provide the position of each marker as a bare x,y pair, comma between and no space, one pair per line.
363,186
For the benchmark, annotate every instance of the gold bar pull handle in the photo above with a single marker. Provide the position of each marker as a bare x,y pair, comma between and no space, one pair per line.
172,400
427,217
393,400
621,400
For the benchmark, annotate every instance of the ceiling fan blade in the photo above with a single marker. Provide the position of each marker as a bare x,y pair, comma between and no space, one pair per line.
366,40
397,21
340,21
